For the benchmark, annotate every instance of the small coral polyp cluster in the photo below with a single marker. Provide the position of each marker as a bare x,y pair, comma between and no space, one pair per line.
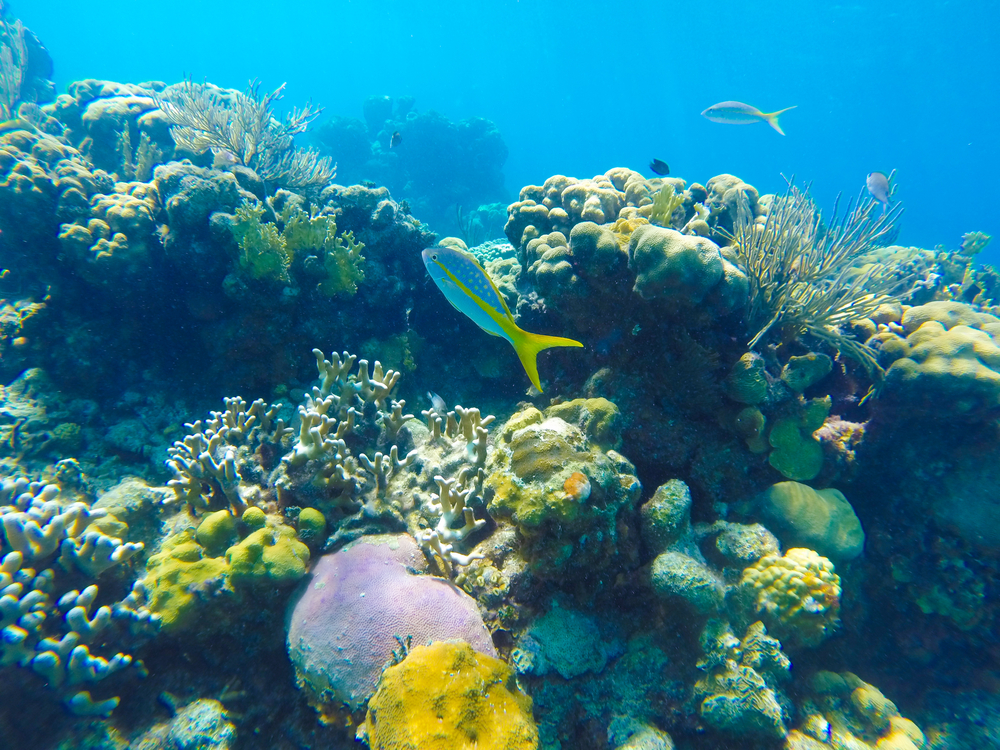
773,460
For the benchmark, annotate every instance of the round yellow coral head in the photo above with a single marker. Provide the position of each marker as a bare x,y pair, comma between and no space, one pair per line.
446,696
797,595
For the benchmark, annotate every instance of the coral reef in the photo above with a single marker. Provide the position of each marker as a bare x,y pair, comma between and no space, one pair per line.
339,541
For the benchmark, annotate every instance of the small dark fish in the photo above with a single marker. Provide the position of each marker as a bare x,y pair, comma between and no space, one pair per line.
659,167
878,186
394,141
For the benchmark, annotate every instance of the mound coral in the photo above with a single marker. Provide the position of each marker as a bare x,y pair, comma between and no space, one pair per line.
822,520
345,623
797,595
446,696
175,574
842,710
678,270
948,366
270,556
532,479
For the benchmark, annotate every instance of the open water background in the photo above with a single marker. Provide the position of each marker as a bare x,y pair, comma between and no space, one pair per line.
579,87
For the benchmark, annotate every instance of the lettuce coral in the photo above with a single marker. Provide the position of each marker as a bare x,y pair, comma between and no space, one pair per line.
264,251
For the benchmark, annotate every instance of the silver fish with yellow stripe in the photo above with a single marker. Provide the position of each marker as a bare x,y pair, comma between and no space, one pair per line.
471,291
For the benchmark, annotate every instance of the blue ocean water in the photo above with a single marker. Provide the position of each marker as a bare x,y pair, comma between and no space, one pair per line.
579,87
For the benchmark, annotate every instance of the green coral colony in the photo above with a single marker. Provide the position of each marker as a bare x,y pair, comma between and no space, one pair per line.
713,538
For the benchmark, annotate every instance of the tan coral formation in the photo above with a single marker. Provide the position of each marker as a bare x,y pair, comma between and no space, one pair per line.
843,711
945,361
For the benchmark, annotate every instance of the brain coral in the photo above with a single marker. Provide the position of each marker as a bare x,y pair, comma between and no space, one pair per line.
527,477
445,696
738,692
947,366
343,624
797,596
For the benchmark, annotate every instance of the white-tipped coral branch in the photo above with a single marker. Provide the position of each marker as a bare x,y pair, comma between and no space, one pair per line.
450,502
384,466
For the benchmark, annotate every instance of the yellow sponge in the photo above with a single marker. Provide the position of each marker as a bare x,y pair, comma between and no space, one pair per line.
446,696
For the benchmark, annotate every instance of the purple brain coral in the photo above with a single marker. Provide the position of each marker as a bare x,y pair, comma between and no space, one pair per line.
343,624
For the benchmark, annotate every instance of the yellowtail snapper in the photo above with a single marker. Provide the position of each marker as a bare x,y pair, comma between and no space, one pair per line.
471,291
738,113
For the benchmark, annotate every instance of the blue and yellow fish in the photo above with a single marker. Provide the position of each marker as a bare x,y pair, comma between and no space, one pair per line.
472,292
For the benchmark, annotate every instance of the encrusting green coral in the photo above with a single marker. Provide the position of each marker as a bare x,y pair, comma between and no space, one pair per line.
263,251
266,253
796,453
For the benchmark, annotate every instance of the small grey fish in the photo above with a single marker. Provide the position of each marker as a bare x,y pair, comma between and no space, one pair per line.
878,186
437,403
738,113
660,167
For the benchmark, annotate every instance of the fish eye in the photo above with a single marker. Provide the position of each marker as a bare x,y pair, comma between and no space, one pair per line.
434,257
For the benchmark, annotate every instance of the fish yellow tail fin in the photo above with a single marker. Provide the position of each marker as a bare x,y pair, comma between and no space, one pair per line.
527,345
772,118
